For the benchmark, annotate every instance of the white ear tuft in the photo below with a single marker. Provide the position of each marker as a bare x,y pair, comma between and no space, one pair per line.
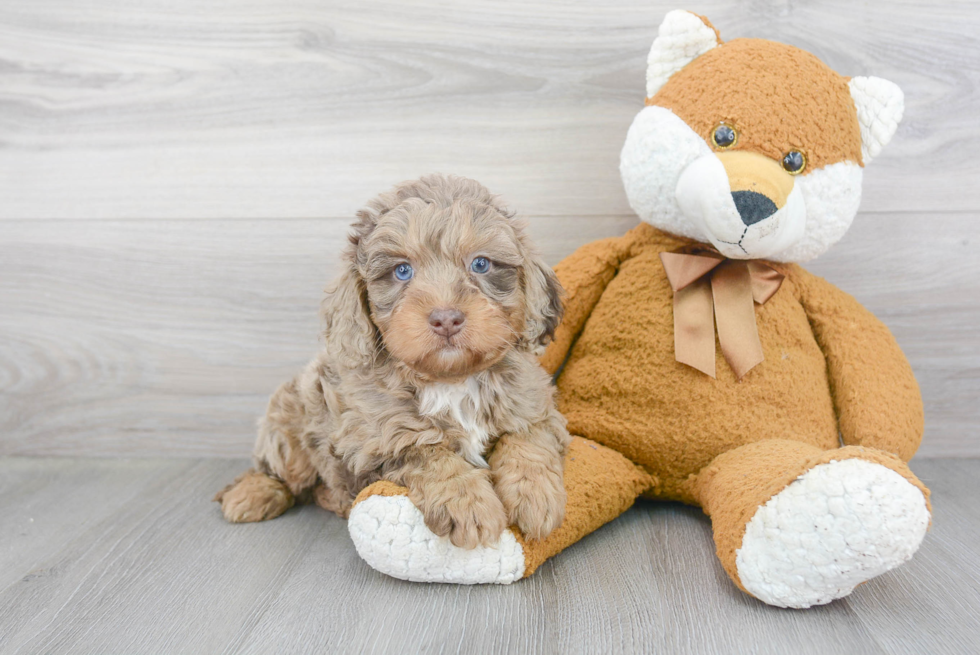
682,38
880,105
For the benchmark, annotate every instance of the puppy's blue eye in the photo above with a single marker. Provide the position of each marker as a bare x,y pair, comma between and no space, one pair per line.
480,265
404,272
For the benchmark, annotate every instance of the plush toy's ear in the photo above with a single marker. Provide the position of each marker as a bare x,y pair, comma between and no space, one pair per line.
682,38
880,105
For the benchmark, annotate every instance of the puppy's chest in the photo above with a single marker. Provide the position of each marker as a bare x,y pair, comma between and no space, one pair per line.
461,406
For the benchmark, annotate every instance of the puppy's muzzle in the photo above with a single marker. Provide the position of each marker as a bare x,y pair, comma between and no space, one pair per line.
446,322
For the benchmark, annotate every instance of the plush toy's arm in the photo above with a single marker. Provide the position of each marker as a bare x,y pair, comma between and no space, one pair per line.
584,275
875,393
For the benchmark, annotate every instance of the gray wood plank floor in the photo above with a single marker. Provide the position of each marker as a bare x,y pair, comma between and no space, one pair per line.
130,556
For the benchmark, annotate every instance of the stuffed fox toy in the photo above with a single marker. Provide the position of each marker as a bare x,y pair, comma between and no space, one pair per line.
700,363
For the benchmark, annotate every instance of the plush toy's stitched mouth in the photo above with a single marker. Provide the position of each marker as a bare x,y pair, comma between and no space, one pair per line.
739,242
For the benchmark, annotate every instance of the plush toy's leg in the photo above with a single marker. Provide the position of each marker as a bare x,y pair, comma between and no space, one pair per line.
390,534
796,526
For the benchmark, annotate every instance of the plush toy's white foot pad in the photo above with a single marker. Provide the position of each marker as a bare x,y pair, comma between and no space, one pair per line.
391,536
835,526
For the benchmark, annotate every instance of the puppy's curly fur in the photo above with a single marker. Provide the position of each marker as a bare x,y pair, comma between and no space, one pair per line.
460,413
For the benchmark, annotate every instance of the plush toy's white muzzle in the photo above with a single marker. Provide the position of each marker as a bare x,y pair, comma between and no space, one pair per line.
747,230
677,183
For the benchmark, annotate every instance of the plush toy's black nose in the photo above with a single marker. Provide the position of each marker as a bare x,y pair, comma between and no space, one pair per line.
446,322
753,207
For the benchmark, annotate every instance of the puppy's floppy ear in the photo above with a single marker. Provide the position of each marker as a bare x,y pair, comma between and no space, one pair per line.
351,336
542,296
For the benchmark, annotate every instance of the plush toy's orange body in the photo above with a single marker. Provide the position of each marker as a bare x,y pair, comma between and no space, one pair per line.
622,387
725,444
792,426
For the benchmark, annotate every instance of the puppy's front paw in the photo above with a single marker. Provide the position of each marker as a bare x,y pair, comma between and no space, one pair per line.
536,503
253,497
466,510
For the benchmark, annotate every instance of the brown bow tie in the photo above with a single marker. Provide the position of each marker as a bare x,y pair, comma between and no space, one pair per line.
710,289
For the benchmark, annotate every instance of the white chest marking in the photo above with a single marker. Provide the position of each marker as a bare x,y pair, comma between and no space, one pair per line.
461,402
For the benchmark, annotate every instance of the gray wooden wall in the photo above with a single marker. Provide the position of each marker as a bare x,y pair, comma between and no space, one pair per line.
176,177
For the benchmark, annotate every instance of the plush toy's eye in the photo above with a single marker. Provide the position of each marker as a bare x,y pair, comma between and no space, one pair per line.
404,272
794,162
480,265
724,136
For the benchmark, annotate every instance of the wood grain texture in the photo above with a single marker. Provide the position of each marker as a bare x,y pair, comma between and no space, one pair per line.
177,178
167,337
164,573
46,507
302,108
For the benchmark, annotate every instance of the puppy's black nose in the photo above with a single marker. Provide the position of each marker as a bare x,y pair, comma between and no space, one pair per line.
446,322
753,207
